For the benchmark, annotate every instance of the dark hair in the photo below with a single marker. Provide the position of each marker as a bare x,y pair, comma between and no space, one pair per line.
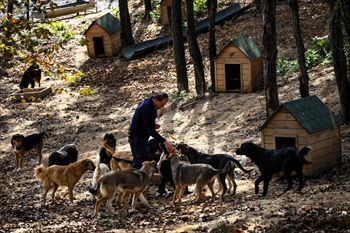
160,96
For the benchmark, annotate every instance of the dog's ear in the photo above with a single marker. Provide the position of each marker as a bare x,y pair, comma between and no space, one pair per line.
153,163
86,163
12,142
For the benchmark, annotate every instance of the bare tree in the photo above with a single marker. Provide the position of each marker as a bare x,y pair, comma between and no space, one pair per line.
148,7
178,45
126,31
303,76
339,59
212,5
194,50
270,55
346,22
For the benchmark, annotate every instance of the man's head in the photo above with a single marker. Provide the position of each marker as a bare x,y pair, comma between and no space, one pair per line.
160,100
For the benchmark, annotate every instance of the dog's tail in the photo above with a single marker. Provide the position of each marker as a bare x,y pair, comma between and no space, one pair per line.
39,172
106,146
122,160
224,170
93,190
44,136
302,153
239,164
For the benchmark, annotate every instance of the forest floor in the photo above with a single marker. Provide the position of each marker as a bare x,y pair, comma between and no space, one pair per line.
217,122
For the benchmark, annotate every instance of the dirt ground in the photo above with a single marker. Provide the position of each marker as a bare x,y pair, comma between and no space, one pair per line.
217,122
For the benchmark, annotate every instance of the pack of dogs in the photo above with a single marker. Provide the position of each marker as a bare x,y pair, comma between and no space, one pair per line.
115,177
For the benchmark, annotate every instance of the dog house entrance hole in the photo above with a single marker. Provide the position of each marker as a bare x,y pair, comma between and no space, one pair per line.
169,14
283,142
233,76
98,46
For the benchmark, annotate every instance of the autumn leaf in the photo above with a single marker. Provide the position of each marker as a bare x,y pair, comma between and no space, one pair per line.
33,99
57,48
12,20
23,101
59,91
51,7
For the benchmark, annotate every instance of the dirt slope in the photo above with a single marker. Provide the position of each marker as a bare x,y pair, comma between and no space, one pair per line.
215,123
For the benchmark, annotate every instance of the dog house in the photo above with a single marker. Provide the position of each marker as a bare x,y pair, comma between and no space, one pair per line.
165,12
239,66
305,122
104,36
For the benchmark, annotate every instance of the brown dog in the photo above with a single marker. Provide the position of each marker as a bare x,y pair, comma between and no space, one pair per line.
126,181
62,176
200,174
22,145
114,164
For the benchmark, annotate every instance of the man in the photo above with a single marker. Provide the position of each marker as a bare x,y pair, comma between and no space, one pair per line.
143,126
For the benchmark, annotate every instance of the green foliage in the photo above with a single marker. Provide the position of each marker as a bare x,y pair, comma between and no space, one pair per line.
85,90
224,227
155,14
311,58
285,67
199,7
116,12
137,16
66,36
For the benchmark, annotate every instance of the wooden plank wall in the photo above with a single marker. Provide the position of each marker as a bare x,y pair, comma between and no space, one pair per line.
94,31
257,73
116,43
164,11
232,55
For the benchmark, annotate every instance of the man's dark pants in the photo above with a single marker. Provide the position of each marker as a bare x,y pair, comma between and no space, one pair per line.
139,150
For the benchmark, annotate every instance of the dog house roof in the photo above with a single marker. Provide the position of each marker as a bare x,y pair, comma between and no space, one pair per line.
108,23
247,46
311,113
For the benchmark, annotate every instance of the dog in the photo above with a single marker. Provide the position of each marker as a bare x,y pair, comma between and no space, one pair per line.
114,164
99,171
62,176
200,174
66,155
126,181
269,162
154,147
31,76
217,161
22,145
104,155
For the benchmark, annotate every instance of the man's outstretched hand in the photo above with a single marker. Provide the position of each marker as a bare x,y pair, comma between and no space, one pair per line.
169,147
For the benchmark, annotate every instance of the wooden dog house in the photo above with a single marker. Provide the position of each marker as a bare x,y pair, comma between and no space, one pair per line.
239,66
305,122
104,36
165,12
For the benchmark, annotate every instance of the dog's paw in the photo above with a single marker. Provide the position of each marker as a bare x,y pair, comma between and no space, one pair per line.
18,170
261,195
132,210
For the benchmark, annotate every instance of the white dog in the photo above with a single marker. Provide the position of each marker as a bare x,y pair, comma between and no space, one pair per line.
100,169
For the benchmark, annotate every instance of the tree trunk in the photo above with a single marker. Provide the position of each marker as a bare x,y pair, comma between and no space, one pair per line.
270,55
126,31
212,5
9,13
148,7
303,77
339,60
346,22
178,45
194,50
257,4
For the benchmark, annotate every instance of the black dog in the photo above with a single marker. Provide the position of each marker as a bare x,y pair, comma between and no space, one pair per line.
31,76
217,161
154,147
104,155
64,156
269,162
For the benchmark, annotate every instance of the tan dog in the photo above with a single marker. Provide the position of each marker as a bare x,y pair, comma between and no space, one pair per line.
62,176
186,174
120,155
22,145
126,181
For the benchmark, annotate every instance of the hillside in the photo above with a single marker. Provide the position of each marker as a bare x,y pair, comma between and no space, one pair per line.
218,122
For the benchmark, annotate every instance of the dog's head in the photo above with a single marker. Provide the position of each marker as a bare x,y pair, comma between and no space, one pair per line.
245,149
111,141
184,148
16,141
173,157
88,164
149,166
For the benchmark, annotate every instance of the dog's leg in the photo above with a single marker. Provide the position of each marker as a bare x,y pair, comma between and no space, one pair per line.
143,200
125,195
199,190
21,160
136,196
38,150
266,186
222,180
177,191
55,187
182,191
109,205
118,198
211,188
16,158
257,182
231,177
47,184
289,179
300,176
98,203
70,191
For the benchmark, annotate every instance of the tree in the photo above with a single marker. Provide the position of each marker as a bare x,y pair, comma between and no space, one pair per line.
178,45
339,59
303,76
212,5
194,50
346,22
270,55
148,7
125,25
